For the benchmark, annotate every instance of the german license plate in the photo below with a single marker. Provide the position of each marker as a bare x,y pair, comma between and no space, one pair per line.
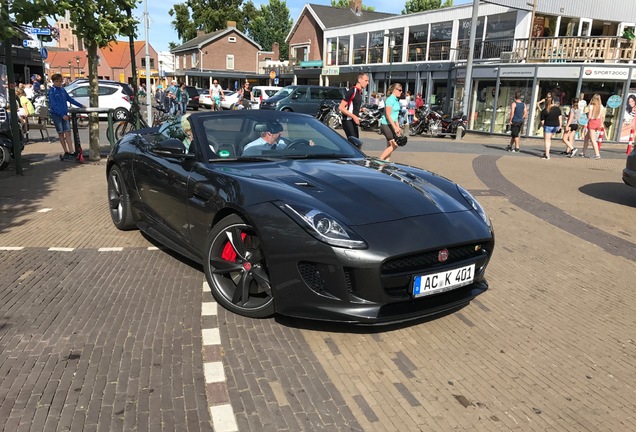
443,281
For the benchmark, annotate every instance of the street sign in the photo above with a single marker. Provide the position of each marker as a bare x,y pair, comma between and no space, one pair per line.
29,43
272,74
41,31
276,81
44,53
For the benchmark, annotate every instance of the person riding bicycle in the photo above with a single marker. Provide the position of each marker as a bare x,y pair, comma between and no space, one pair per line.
216,94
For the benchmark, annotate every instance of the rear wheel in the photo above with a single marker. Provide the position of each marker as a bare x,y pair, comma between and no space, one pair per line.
120,114
123,128
119,201
236,269
5,157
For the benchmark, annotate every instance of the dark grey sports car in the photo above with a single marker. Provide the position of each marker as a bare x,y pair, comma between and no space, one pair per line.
288,217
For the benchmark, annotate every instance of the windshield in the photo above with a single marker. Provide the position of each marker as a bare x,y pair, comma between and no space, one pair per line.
242,135
283,92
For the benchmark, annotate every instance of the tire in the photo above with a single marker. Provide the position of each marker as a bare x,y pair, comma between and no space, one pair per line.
237,271
122,129
332,122
121,114
5,157
119,201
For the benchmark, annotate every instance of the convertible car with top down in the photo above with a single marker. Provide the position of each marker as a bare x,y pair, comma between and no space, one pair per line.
286,216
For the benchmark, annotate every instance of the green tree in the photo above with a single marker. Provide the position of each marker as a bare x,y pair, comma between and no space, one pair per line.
272,24
207,15
97,23
412,6
345,4
17,13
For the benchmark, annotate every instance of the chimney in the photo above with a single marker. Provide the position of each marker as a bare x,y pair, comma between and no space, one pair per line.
200,33
231,24
276,49
355,5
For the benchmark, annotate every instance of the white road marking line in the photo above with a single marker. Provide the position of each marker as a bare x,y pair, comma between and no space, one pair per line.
211,336
44,210
213,372
206,287
61,249
209,308
110,249
223,418
152,248
11,248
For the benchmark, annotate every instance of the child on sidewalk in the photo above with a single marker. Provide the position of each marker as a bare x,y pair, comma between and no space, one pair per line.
58,98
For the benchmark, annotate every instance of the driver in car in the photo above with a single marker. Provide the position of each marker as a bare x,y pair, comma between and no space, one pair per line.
269,140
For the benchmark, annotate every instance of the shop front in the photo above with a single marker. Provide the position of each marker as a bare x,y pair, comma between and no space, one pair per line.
494,88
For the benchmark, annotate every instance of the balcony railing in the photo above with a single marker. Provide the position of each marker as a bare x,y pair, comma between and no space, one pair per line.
574,49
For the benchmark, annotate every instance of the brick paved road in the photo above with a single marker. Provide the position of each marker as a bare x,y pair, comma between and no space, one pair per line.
550,347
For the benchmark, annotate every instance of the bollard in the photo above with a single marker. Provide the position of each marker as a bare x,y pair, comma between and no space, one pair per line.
630,143
601,134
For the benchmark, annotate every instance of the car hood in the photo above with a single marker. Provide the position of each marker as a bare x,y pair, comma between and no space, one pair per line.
356,191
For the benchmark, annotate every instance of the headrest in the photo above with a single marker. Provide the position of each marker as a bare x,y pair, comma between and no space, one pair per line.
268,127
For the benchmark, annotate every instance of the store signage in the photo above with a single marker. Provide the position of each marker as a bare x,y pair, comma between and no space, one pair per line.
331,70
558,72
605,73
517,72
633,74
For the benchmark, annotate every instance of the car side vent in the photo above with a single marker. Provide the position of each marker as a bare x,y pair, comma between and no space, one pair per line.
3,115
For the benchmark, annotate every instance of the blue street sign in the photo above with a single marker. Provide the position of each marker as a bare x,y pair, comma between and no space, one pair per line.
276,81
25,43
41,31
44,53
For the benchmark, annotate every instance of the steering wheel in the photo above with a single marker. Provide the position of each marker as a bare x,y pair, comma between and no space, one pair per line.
298,143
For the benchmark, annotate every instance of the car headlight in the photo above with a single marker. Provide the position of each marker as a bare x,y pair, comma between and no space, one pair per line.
474,204
322,226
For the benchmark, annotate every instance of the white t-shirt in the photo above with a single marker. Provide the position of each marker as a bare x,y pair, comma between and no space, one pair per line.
215,91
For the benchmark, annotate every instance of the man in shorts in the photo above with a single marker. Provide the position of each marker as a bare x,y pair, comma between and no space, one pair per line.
216,94
58,98
518,113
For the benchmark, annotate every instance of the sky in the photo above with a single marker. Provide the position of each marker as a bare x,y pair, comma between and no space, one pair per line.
161,32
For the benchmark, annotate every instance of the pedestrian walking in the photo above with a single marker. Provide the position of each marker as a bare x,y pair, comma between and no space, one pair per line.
389,124
551,120
185,98
518,114
351,104
595,113
571,127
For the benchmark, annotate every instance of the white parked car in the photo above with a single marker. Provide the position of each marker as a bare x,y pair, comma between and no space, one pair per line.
111,94
230,100
261,93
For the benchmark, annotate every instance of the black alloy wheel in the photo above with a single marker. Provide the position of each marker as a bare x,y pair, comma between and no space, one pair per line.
5,157
119,201
236,269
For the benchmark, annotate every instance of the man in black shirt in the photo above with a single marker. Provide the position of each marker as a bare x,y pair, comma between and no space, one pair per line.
350,106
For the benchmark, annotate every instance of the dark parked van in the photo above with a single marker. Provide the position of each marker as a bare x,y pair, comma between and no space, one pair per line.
302,98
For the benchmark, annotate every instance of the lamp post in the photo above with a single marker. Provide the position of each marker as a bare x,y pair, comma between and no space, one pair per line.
77,59
70,71
391,37
160,75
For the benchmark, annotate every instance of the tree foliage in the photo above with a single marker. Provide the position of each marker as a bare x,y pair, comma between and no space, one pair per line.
412,6
207,15
345,4
17,13
272,23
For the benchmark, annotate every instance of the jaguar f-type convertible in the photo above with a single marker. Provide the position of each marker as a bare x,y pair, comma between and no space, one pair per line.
287,216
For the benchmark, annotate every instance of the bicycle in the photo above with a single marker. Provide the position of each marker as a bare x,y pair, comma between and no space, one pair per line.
159,116
216,103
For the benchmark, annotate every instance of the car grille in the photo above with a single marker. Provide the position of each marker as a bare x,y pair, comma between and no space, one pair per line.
320,278
429,259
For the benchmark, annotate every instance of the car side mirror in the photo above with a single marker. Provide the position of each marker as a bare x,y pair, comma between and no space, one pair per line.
355,141
172,147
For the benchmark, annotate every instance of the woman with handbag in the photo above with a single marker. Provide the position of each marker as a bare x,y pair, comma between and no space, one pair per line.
595,113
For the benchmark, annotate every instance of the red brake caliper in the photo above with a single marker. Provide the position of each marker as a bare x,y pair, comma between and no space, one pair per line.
229,254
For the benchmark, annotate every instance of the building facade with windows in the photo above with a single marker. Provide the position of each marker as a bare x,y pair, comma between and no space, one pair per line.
563,49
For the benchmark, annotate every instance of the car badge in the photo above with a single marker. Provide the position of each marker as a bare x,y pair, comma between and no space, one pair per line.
442,255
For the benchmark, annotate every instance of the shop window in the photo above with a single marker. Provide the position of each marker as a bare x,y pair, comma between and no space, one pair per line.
418,43
360,48
376,44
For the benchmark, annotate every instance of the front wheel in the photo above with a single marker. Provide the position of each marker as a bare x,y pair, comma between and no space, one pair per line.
5,157
119,201
236,269
123,128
